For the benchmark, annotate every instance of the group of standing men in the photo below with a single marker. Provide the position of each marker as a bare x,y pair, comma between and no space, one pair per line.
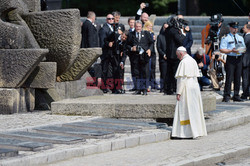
138,44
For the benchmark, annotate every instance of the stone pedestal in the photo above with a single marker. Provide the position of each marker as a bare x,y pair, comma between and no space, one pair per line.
16,100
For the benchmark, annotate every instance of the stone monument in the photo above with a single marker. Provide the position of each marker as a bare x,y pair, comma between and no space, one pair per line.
36,47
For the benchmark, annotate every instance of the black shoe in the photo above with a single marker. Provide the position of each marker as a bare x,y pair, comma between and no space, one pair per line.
132,89
226,99
145,92
243,97
216,89
137,92
117,91
237,99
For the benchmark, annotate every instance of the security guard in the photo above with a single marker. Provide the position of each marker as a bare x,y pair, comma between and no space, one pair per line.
229,45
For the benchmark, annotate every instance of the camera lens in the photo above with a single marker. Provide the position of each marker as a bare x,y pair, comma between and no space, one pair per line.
216,56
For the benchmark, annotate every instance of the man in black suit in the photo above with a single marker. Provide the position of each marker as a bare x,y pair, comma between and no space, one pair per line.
89,32
117,16
140,45
161,48
246,64
104,33
174,39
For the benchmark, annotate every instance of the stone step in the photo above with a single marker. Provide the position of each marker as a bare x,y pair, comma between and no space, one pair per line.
103,127
126,106
8,153
23,145
39,137
69,131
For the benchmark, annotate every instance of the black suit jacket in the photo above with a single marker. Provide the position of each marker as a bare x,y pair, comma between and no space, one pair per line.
174,39
188,42
246,57
161,46
104,34
146,41
89,35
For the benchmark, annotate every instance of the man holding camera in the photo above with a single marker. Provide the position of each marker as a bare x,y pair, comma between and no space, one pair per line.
216,64
229,45
203,61
140,45
175,35
140,15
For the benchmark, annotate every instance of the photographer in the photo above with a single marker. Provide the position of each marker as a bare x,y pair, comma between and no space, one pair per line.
140,45
216,69
203,61
175,36
217,29
140,15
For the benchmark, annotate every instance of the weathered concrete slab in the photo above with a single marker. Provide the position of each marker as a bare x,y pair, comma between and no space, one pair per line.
43,76
33,5
67,131
11,35
23,145
7,5
126,106
62,38
144,125
16,100
8,153
17,64
78,88
86,57
103,127
39,137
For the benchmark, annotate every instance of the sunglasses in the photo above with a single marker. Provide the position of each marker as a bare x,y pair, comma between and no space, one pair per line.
110,18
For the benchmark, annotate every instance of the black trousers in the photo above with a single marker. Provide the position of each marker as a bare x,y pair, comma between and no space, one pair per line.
233,73
170,81
141,73
245,81
106,73
152,69
163,73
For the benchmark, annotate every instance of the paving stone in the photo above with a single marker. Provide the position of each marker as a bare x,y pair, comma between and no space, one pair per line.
75,132
50,138
105,127
23,145
144,125
8,153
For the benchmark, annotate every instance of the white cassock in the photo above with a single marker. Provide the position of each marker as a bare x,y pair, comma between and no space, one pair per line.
189,120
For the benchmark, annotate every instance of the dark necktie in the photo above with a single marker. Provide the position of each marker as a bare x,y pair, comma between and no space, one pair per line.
235,40
138,36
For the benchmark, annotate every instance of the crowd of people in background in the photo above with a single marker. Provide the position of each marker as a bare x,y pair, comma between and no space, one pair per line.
227,59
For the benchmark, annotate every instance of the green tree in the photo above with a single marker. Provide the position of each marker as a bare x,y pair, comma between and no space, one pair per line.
161,7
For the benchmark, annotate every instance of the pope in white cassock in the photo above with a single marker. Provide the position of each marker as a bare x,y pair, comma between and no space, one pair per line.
189,120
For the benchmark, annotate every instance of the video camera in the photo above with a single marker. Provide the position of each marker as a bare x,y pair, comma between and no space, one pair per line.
215,20
175,22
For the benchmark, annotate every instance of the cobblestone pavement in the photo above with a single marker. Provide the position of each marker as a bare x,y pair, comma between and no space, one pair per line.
37,118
